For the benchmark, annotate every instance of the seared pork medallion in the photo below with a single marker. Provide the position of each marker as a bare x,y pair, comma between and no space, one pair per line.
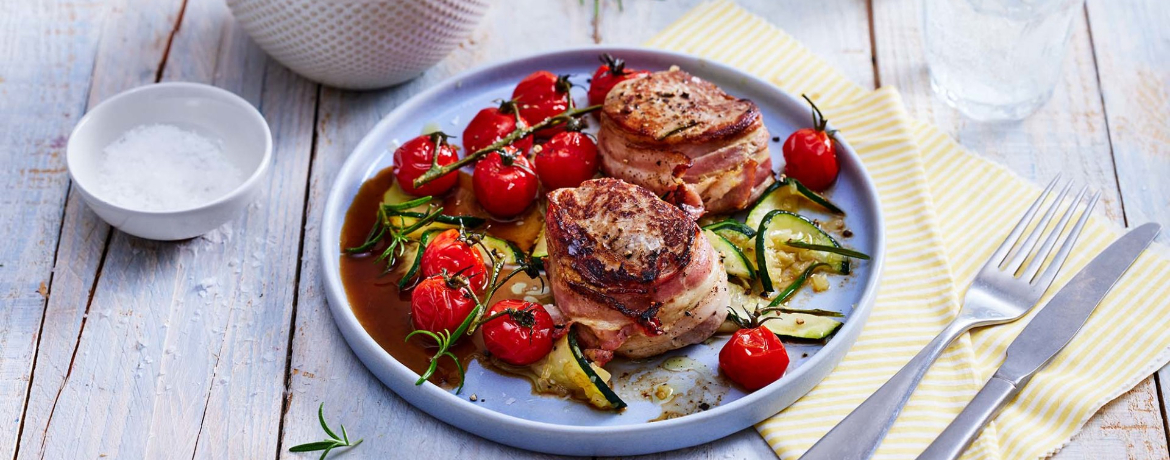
672,132
635,272
512,254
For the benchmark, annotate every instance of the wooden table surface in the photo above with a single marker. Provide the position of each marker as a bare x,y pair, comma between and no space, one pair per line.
223,346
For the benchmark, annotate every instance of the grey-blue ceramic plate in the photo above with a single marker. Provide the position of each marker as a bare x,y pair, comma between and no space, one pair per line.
512,414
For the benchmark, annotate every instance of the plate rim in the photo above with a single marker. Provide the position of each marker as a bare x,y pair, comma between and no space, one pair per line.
430,398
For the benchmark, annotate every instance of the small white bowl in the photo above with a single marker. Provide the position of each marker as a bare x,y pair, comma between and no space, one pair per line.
205,110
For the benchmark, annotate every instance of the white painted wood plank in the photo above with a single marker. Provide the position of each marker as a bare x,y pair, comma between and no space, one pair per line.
1131,43
1068,135
323,367
47,54
84,235
837,30
185,333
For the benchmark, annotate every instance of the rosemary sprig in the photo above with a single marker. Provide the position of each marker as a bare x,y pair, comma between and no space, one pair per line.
446,339
827,248
795,285
437,171
327,445
399,234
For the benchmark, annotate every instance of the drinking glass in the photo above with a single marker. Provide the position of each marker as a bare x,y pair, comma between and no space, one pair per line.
996,60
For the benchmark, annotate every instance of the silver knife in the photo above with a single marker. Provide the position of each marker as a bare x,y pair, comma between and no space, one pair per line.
1049,332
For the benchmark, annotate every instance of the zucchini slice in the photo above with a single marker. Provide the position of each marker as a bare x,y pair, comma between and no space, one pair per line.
813,196
801,325
786,194
566,371
405,217
540,249
734,261
740,235
504,250
731,225
775,258
809,325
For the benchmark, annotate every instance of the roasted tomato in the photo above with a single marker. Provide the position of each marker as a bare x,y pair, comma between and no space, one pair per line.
492,124
810,155
414,158
440,304
611,72
753,358
451,253
518,332
542,95
504,182
566,160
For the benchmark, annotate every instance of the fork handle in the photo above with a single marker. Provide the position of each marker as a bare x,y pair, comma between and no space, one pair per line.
957,437
859,434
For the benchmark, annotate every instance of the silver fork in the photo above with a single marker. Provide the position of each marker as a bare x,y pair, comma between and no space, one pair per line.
1008,285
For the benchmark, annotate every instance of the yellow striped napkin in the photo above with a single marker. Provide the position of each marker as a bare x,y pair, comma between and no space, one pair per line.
946,210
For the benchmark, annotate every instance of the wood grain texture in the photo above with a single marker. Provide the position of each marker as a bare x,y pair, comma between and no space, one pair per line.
1131,44
83,236
172,325
47,56
844,44
1068,136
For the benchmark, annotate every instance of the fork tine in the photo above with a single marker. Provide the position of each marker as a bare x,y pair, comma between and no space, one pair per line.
1025,249
1001,252
1044,279
1050,242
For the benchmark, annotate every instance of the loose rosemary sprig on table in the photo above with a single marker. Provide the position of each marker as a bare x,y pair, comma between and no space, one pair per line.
446,339
327,445
437,171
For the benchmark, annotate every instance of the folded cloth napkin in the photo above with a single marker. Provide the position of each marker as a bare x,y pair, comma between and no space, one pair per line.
945,209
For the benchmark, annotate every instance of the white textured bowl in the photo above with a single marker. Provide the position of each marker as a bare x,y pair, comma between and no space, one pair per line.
358,44
206,110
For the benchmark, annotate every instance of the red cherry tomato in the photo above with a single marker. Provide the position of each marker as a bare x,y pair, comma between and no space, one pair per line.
437,305
504,182
521,336
810,155
492,124
611,72
753,358
542,95
566,160
414,158
448,252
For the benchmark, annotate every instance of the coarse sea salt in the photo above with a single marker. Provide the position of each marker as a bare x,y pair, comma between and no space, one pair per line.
164,168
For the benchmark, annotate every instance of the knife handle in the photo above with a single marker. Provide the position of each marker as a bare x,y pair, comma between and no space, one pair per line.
957,437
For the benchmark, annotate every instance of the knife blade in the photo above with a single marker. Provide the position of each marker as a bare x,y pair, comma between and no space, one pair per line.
1054,326
1042,339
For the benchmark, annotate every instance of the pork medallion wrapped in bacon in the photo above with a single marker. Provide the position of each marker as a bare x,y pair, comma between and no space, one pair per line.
634,271
672,132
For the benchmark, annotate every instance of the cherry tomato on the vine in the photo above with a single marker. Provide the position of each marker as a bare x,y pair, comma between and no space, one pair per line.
566,160
440,304
753,358
495,123
504,182
521,334
809,154
415,157
611,72
542,95
449,252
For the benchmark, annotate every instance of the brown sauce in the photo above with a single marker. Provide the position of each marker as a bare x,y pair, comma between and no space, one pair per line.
376,301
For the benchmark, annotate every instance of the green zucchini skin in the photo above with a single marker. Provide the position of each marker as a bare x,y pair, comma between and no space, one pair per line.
734,260
605,390
837,262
